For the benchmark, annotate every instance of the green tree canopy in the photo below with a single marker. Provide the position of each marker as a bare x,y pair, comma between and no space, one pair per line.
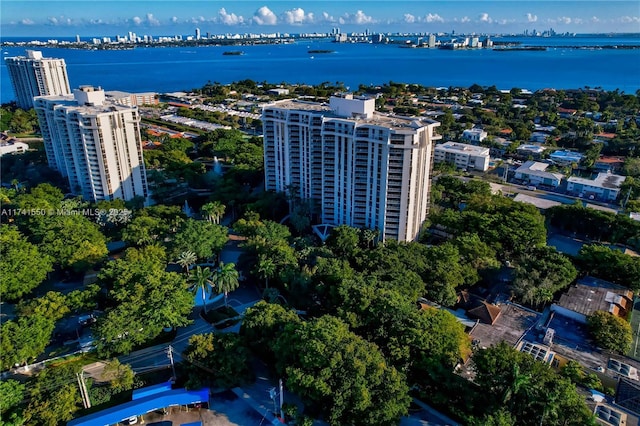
611,265
343,240
54,396
145,230
24,339
541,273
22,266
610,332
72,240
205,239
530,390
11,395
262,325
145,300
340,374
221,360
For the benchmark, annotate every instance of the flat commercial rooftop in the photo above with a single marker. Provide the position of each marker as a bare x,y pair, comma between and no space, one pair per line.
377,118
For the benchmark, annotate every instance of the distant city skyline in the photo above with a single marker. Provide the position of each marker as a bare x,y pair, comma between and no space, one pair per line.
64,18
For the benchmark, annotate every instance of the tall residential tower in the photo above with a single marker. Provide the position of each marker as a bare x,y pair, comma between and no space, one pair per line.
95,143
33,75
360,168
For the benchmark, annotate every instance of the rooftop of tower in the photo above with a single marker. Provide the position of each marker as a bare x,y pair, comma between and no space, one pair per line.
377,118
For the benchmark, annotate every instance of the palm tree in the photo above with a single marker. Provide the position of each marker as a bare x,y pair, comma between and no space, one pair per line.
265,268
225,279
207,211
218,212
202,280
213,211
186,259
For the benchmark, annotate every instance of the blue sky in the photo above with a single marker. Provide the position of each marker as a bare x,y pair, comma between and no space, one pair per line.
159,17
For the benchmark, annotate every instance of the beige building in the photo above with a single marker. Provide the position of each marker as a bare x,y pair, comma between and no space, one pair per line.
94,143
32,75
360,168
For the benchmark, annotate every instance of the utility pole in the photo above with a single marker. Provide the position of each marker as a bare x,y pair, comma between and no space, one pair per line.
83,390
281,400
173,367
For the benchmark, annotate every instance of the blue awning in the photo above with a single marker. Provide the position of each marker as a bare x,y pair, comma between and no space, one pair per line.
142,406
151,390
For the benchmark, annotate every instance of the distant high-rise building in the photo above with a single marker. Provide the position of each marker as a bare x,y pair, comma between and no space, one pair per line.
33,75
432,40
95,143
359,167
77,38
197,33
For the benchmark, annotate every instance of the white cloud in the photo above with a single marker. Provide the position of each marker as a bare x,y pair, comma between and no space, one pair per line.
629,19
341,20
264,16
595,19
137,20
531,17
174,19
328,18
409,18
465,20
297,16
433,18
229,18
27,21
53,20
359,18
564,20
484,17
151,20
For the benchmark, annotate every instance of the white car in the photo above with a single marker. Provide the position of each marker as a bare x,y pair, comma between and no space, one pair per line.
131,420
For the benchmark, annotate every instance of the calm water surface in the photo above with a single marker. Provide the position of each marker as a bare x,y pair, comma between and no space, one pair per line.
182,68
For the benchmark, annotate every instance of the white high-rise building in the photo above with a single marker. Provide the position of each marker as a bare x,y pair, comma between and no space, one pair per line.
358,167
95,143
33,75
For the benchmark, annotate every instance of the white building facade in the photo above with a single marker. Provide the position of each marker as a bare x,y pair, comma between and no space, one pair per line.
360,168
605,187
535,173
463,156
33,75
474,135
94,143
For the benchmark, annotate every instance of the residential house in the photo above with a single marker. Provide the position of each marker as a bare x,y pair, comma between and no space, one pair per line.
474,135
535,173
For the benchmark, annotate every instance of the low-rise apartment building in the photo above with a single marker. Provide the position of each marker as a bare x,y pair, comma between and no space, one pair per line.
463,156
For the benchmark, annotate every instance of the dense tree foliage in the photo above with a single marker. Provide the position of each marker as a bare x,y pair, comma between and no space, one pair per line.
610,332
24,339
72,240
54,396
611,265
530,390
22,266
145,300
340,374
205,239
507,226
540,273
221,360
11,395
414,341
262,325
595,224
